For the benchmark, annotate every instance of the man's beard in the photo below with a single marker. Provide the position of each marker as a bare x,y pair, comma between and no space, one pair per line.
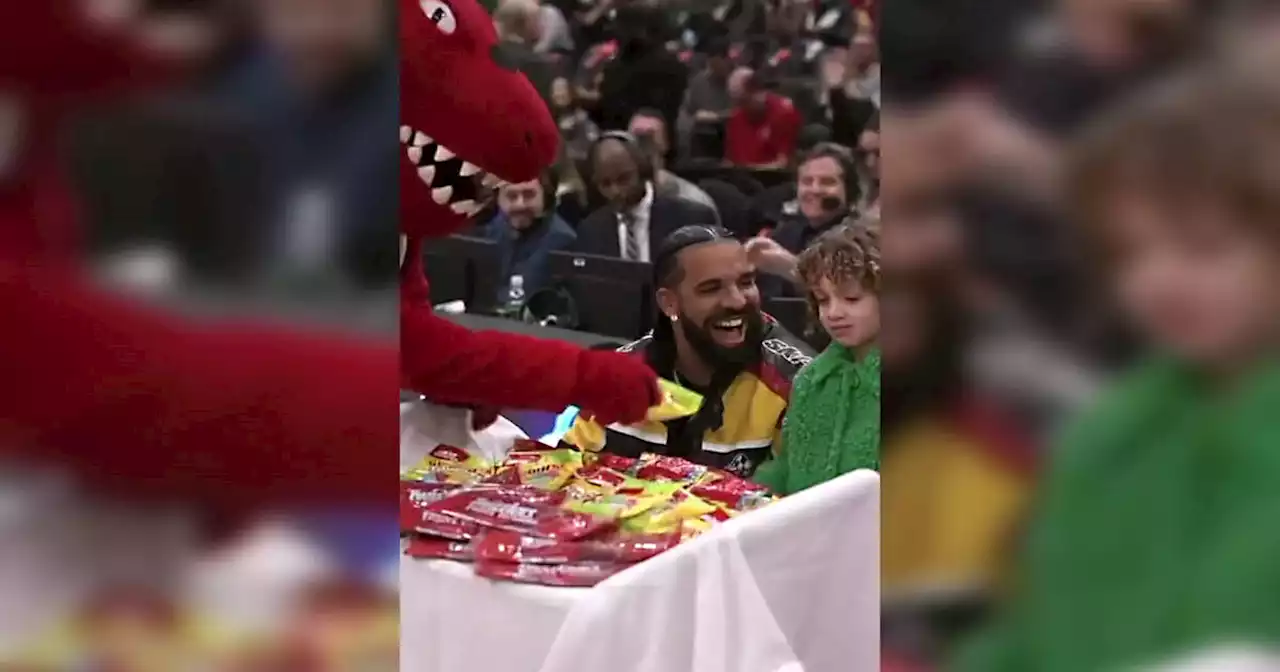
718,356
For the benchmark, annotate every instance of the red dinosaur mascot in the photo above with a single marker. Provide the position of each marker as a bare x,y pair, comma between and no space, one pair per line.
138,401
472,122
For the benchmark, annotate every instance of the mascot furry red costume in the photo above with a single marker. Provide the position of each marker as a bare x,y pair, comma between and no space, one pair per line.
471,123
140,402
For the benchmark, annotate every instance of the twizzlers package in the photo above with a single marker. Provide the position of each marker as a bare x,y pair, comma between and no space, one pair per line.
416,516
445,549
501,546
578,574
532,513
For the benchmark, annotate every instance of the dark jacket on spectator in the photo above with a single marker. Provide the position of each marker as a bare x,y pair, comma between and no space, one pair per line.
525,253
645,74
537,68
598,233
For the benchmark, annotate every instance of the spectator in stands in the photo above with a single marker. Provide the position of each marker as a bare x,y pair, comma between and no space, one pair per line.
590,73
707,104
650,130
645,73
825,179
869,164
762,129
319,96
519,25
526,230
708,97
850,80
833,419
635,219
712,338
555,34
577,131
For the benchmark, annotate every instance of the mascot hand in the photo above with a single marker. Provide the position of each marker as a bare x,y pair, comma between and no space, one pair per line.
615,388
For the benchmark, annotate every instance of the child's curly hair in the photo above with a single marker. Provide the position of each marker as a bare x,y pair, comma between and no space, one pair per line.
850,251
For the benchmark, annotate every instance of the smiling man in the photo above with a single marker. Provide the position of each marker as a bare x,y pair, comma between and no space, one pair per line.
712,338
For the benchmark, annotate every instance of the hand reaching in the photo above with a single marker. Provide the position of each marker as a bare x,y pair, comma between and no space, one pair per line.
770,256
615,388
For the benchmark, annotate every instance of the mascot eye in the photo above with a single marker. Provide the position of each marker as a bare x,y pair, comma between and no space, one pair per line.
440,14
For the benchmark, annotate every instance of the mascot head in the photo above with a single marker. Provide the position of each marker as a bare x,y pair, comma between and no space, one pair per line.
470,120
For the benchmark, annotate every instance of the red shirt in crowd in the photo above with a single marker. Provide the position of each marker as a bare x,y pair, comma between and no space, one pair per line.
772,137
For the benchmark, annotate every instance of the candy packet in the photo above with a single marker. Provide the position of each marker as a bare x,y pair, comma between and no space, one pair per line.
547,470
676,402
577,574
502,546
602,476
663,468
417,517
667,516
531,446
524,511
443,549
736,494
450,464
629,499
694,527
618,463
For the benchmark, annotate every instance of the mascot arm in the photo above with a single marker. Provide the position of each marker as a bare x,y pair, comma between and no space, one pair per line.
231,419
450,364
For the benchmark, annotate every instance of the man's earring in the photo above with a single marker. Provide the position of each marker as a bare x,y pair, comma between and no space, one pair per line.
675,318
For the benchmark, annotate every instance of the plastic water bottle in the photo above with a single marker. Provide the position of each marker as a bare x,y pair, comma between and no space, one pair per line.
515,296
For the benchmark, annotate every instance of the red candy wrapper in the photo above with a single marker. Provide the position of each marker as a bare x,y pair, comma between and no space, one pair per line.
501,546
416,516
535,514
615,462
598,474
734,493
578,574
661,468
443,549
726,489
531,446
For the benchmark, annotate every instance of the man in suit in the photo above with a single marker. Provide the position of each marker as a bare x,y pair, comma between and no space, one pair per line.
526,232
635,218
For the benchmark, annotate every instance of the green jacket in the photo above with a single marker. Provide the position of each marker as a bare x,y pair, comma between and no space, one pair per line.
1158,534
832,424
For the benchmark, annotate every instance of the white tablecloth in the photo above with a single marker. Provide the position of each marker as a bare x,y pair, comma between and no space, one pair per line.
791,588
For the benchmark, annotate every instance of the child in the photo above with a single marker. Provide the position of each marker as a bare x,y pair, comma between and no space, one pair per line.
1156,539
832,424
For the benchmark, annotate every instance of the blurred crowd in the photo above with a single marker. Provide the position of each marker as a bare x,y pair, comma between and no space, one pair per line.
1075,200
256,177
265,168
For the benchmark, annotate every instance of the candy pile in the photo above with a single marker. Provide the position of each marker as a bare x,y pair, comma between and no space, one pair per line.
562,517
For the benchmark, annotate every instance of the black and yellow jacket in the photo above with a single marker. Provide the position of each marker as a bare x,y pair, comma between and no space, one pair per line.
750,410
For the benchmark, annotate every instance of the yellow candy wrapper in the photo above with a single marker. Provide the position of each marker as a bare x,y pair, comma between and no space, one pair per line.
631,499
548,470
670,514
449,464
677,402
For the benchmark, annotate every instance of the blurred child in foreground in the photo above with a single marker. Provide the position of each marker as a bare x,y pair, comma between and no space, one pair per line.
1155,539
833,421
